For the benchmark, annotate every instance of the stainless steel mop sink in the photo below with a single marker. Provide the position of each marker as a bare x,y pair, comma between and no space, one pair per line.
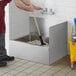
56,49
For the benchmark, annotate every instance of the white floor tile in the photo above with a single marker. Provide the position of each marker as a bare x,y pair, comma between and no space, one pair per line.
21,67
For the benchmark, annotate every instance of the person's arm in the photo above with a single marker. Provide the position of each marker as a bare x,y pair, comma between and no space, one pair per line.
20,4
26,5
26,2
5,2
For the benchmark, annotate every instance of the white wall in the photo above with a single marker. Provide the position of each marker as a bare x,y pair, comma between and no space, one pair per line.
65,9
19,22
38,2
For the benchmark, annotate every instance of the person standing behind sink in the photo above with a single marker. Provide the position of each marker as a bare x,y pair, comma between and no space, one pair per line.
3,54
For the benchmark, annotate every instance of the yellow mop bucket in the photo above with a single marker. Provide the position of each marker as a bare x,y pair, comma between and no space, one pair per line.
72,47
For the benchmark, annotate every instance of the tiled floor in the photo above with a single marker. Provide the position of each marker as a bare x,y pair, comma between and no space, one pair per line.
21,67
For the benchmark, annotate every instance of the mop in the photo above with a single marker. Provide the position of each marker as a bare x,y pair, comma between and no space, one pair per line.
36,23
37,26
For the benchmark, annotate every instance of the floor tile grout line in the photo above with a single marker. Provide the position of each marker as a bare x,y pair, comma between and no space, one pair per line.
14,62
45,71
68,73
12,69
59,70
36,69
4,74
27,68
17,66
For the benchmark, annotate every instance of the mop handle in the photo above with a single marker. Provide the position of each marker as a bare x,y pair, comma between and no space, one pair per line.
36,23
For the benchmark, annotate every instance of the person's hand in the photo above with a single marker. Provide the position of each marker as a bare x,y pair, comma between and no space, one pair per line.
33,7
26,5
37,7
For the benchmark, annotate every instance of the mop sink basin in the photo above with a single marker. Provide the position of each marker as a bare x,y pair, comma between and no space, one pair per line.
48,54
30,52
